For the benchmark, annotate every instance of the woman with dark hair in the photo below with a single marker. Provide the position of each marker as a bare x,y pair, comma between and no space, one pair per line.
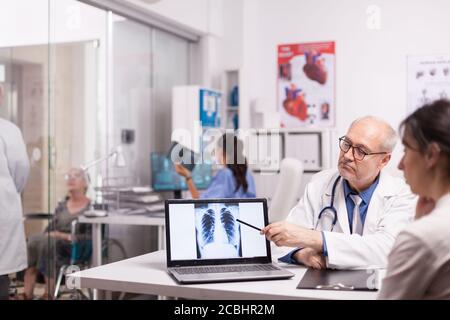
419,263
234,180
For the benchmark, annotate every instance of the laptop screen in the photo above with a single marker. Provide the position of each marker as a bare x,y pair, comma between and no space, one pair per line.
203,231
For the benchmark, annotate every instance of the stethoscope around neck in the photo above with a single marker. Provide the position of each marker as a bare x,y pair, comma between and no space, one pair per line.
331,207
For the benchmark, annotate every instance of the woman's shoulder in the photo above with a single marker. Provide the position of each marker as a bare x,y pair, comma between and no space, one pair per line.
431,229
61,208
62,203
224,172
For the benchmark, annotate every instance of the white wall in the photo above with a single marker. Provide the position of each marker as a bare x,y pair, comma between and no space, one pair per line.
25,22
370,64
203,16
231,41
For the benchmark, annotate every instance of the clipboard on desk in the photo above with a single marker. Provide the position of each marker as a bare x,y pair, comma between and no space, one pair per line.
345,280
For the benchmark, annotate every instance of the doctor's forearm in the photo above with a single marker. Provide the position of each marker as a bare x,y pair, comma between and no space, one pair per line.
311,239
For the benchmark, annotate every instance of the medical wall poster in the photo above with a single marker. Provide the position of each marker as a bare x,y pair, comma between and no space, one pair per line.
428,79
306,84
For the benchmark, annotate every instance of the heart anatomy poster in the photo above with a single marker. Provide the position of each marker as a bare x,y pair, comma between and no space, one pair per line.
428,79
306,84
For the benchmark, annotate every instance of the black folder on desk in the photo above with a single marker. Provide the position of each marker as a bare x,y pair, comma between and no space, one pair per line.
364,280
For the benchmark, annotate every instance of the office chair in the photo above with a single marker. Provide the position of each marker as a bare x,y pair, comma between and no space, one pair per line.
288,189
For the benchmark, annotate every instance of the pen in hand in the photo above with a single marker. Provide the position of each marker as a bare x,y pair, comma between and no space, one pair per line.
247,224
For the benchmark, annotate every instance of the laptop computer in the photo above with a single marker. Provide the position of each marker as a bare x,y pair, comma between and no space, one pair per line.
218,240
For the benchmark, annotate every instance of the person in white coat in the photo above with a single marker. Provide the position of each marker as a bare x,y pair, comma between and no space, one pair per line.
349,218
14,170
419,263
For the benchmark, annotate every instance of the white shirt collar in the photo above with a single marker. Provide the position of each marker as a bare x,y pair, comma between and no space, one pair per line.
443,202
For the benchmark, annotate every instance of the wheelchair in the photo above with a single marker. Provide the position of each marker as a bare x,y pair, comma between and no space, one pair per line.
81,255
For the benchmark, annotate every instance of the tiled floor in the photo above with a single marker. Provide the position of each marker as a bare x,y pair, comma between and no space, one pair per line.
17,288
39,290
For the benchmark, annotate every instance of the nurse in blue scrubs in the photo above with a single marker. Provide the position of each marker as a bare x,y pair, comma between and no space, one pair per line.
234,180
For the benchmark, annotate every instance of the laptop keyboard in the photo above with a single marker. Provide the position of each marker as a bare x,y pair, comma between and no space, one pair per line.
223,269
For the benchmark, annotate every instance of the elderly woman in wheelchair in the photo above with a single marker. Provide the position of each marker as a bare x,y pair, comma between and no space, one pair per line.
59,238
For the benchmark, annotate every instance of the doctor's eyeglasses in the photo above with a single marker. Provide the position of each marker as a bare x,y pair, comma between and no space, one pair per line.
358,152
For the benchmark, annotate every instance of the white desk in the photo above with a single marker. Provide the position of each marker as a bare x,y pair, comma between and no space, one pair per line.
124,219
147,274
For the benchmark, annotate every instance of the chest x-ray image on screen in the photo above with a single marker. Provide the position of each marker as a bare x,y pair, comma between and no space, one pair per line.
218,234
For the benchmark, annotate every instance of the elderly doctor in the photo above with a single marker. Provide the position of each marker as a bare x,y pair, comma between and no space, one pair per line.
14,169
349,218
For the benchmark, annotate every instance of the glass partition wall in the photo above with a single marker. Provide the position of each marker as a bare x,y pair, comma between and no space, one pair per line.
24,101
80,81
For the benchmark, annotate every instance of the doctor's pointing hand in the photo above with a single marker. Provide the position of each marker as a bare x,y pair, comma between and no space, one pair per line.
285,234
290,235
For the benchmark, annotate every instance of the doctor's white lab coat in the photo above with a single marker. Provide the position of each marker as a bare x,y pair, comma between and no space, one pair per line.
391,208
14,169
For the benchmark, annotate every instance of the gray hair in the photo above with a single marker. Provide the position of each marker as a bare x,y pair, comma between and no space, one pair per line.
390,138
